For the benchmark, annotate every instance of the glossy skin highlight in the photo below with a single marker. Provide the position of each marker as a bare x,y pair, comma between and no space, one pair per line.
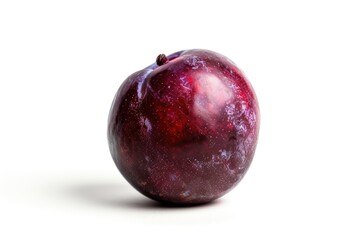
184,130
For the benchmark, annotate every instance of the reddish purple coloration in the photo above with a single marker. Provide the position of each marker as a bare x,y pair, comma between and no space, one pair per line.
184,130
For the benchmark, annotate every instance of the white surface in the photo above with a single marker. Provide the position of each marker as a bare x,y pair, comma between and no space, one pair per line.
62,61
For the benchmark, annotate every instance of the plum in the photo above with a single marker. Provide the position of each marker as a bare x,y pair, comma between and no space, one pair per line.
184,129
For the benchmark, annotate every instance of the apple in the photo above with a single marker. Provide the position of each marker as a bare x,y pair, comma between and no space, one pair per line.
184,129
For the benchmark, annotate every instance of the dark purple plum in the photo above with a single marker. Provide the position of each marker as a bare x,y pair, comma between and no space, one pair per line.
184,130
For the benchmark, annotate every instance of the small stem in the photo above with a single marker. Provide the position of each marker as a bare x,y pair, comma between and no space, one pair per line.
161,59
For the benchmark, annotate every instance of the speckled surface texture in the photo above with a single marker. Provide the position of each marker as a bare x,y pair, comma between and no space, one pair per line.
184,132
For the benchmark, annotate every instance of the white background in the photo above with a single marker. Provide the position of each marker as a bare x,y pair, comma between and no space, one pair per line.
61,63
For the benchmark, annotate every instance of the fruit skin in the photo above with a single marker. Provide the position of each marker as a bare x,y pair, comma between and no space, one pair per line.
184,132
